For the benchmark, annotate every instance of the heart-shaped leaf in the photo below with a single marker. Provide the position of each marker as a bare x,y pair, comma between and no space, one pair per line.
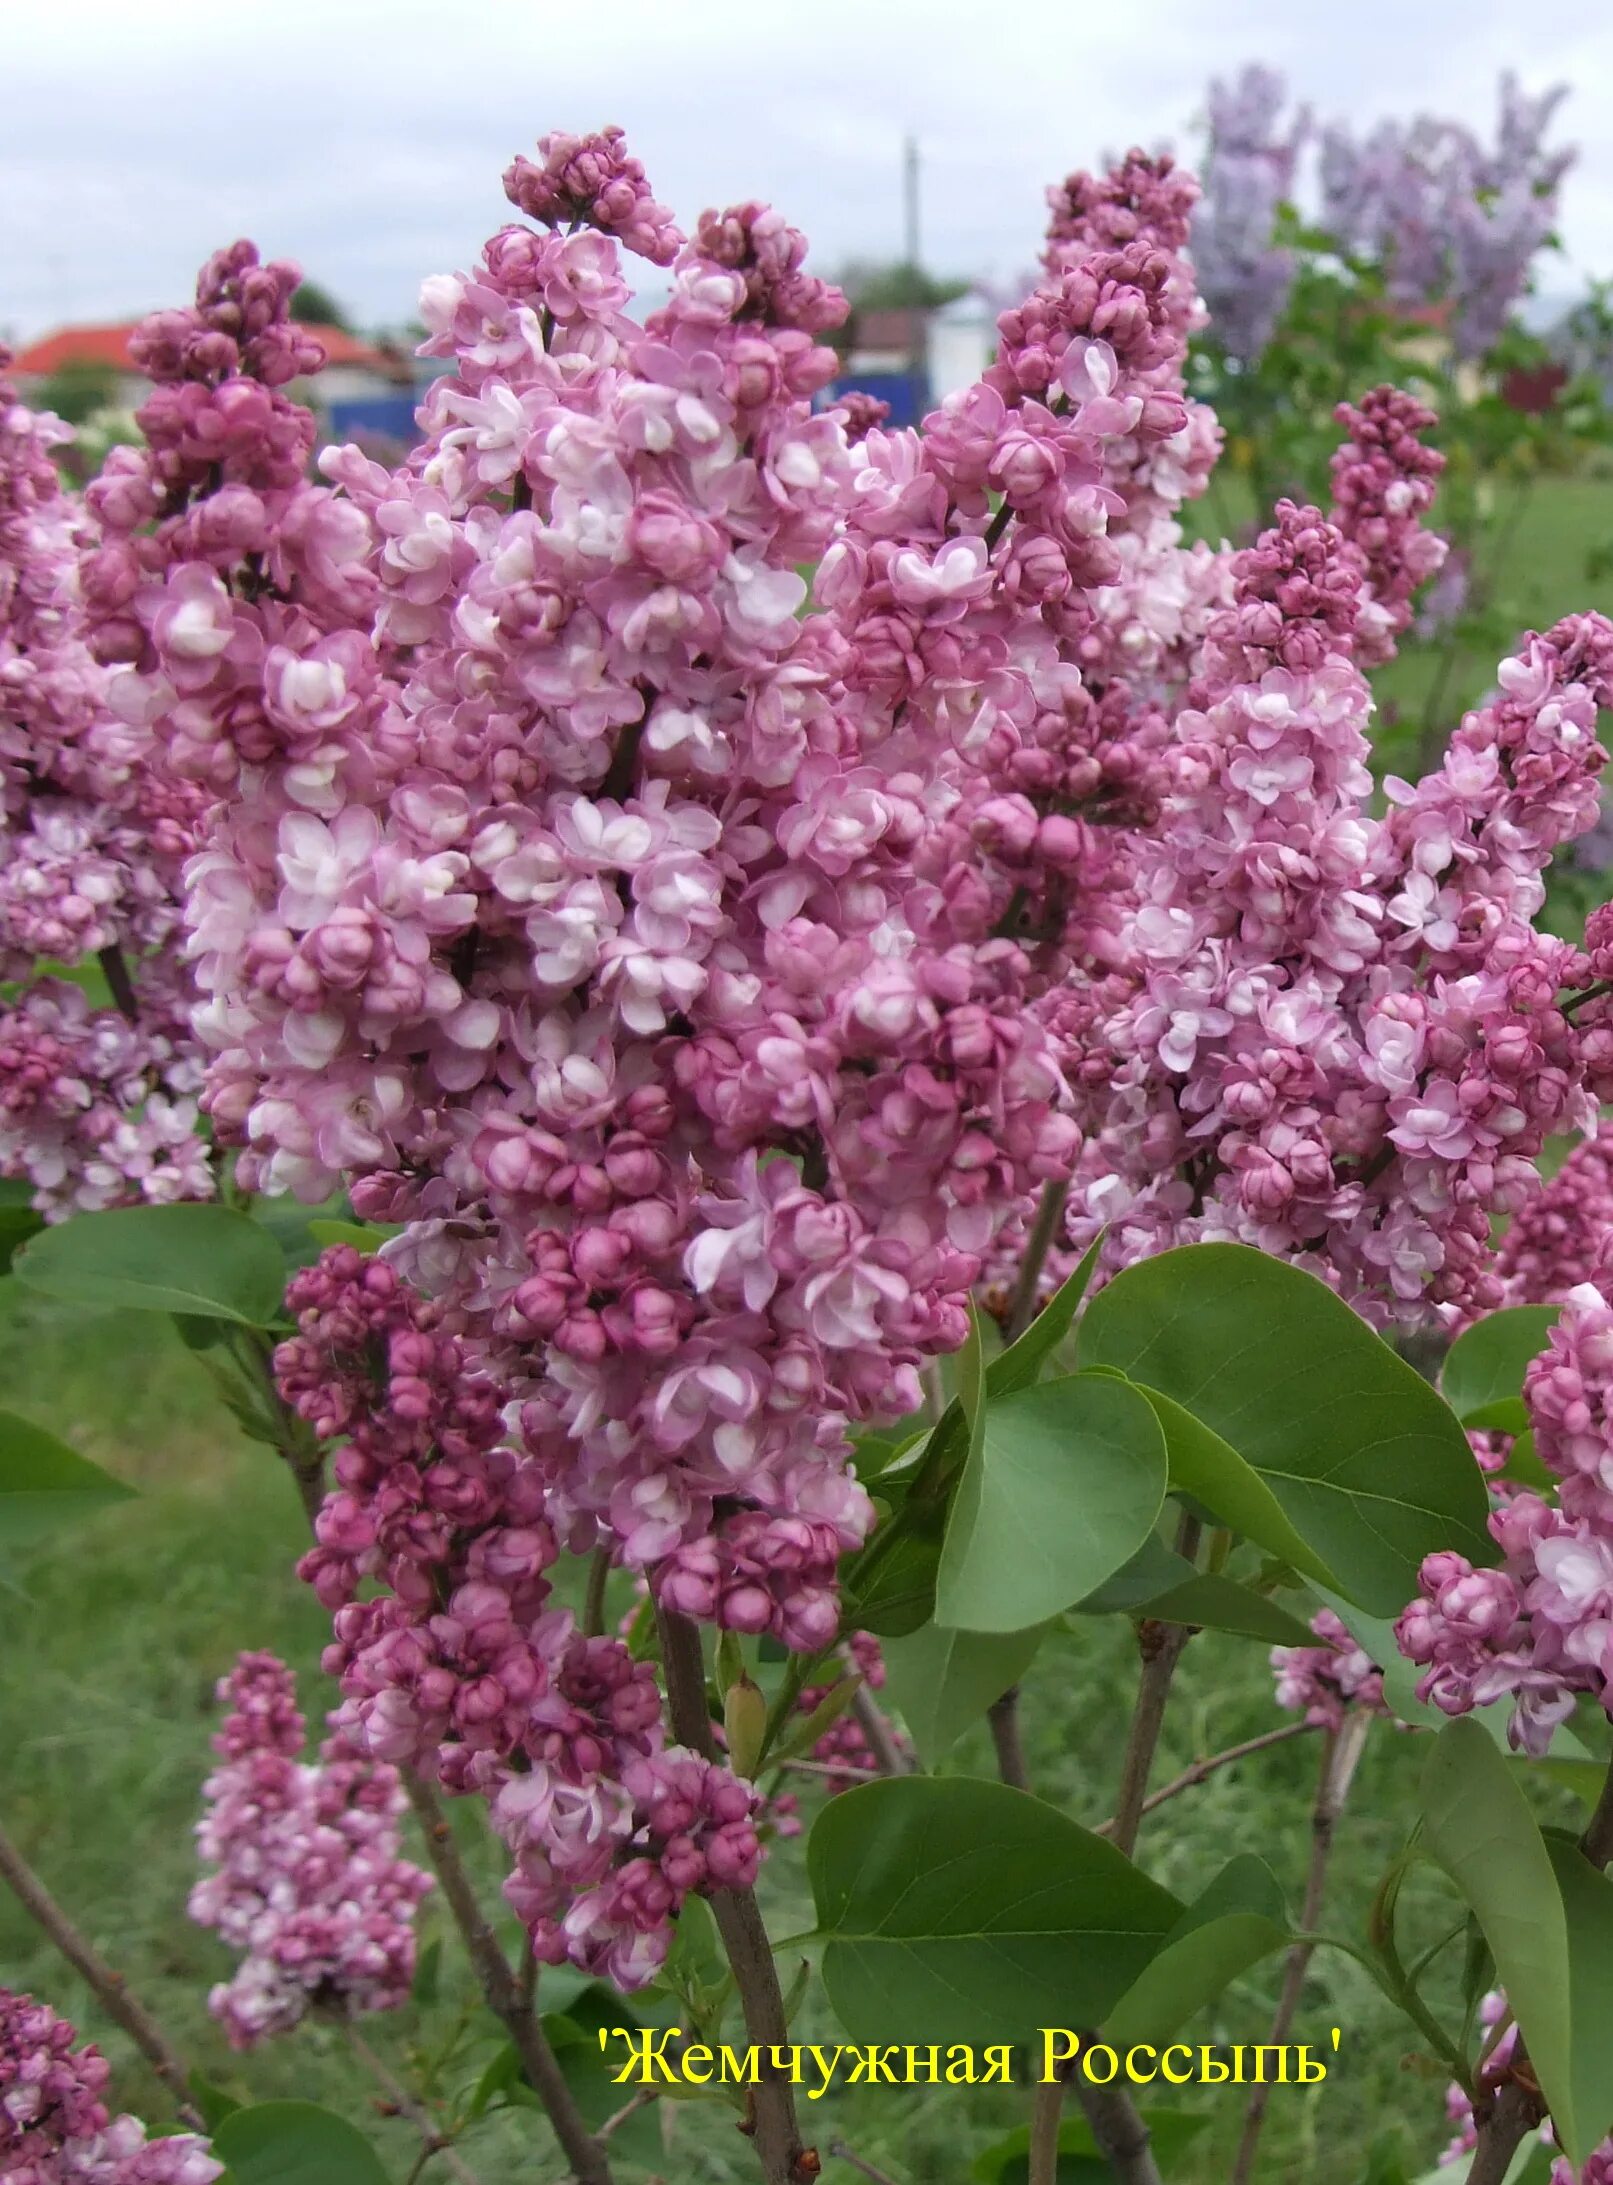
1007,2162
1239,1919
1482,1377
941,1681
1210,1602
1362,1470
44,1484
963,1911
1018,1366
208,1261
1547,1916
295,2143
1063,1485
17,1225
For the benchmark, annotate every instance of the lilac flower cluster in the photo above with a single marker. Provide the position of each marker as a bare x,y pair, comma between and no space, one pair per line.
96,1110
97,1105
55,2127
307,1883
91,837
1323,1682
1383,485
1556,1241
1250,162
1447,216
1537,1628
462,1665
1341,1039
637,940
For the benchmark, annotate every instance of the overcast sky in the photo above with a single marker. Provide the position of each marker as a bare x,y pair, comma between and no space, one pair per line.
365,138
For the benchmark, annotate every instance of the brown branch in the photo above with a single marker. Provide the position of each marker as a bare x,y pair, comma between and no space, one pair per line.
1200,1770
1121,2133
1037,1246
109,1988
1162,1646
1003,1716
1341,1755
433,2140
875,1726
1047,2118
772,2122
502,1991
842,2153
618,2117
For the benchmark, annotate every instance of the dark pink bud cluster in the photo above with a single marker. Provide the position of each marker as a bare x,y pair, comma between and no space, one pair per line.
55,2127
861,413
1323,1682
1555,1242
1143,196
1383,485
461,1665
306,1881
1537,1628
240,327
1297,602
759,244
845,1742
593,179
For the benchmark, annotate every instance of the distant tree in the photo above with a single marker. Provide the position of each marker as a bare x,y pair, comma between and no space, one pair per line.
77,391
892,285
316,306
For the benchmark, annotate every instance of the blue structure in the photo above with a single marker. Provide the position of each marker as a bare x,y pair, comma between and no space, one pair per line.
389,415
907,393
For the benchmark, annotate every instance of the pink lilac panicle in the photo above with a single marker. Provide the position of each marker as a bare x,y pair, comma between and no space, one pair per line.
596,953
462,1664
306,1880
1323,1682
1557,1240
1538,1628
91,837
1347,1044
95,1109
55,2127
1384,480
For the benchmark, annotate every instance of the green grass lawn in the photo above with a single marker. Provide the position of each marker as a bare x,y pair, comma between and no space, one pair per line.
106,1709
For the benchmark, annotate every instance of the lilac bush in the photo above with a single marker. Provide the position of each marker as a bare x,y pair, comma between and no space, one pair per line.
716,900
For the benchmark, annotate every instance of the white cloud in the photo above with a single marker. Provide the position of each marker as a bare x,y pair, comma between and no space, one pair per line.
366,137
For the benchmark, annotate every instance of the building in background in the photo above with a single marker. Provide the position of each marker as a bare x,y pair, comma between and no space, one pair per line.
913,357
365,390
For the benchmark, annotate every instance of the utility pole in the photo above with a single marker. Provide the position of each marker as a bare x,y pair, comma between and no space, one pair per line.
918,361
